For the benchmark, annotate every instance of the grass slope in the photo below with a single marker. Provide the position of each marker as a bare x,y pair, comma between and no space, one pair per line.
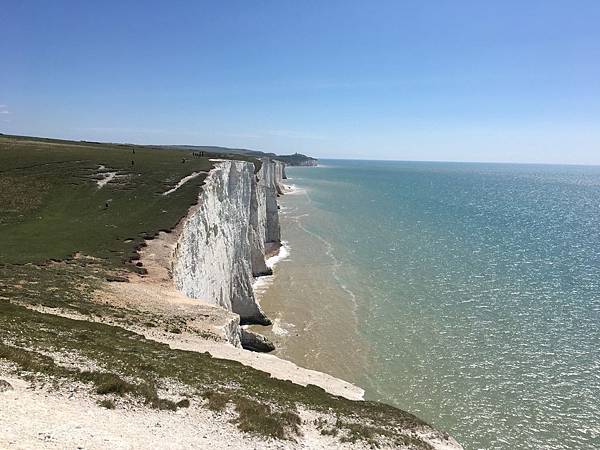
51,209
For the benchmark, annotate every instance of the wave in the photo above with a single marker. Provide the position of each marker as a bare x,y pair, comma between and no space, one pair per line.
279,328
292,189
261,284
284,252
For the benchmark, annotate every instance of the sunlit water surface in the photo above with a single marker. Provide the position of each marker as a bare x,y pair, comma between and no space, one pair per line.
468,294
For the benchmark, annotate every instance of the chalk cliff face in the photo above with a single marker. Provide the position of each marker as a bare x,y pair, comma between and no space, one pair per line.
222,243
269,183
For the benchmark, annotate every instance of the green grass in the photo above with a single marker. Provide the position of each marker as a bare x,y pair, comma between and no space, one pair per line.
107,403
51,210
51,206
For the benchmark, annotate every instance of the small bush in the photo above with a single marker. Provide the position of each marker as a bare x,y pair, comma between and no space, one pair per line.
5,386
106,403
28,360
216,400
185,403
163,404
108,383
329,431
259,418
146,391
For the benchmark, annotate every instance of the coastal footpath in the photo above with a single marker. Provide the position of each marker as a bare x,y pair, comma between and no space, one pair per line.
126,279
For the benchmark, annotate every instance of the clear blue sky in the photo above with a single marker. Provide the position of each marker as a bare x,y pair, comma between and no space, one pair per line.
426,80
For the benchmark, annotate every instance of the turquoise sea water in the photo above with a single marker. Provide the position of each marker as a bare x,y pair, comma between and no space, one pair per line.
473,288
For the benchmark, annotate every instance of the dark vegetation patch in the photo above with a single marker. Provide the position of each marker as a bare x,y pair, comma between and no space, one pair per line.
184,403
216,401
5,386
256,417
260,418
104,382
107,403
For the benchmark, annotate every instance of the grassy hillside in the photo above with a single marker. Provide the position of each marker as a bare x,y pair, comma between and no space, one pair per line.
51,205
62,236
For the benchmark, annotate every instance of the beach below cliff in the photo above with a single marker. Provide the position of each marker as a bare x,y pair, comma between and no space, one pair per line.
315,321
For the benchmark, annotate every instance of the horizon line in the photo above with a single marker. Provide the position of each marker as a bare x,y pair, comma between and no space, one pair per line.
579,164
525,163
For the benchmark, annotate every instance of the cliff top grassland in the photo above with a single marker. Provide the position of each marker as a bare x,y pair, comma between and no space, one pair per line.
297,159
53,207
63,232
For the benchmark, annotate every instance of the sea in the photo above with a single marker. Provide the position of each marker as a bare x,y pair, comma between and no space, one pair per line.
467,294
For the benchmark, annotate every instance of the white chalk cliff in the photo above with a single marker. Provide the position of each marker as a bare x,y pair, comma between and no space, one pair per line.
221,247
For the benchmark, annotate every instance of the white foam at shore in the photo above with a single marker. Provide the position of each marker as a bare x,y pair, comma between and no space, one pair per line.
284,252
294,190
278,329
261,284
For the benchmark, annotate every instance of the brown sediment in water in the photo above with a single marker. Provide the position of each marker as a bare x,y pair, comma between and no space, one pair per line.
315,325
